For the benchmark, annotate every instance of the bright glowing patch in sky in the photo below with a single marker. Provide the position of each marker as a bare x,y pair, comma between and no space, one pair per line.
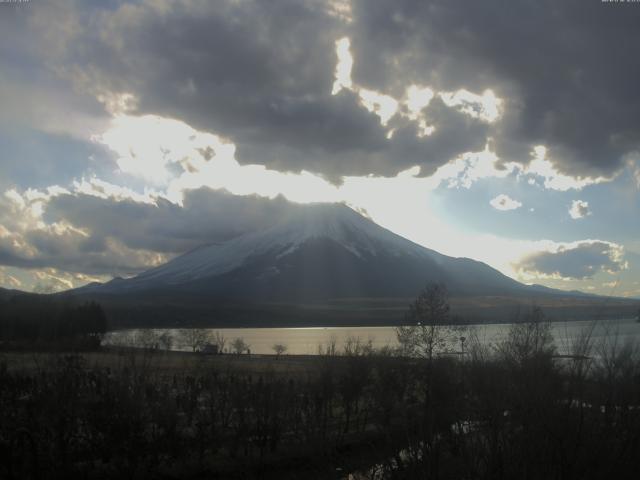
239,179
343,67
147,145
418,98
173,157
579,209
542,167
485,107
504,202
382,105
470,167
95,187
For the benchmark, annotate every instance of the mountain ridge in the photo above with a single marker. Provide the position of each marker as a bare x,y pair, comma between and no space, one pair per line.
322,265
329,247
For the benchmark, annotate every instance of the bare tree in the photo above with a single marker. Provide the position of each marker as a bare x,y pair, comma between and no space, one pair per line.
331,348
356,347
279,348
428,329
147,339
528,338
195,338
219,341
165,341
239,345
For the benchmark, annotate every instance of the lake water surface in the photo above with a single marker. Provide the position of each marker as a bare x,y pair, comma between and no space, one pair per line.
306,341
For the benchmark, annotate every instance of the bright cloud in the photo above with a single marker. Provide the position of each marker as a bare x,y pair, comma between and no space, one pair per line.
343,67
99,188
184,158
504,202
417,99
148,145
204,160
470,167
485,107
542,167
579,209
382,105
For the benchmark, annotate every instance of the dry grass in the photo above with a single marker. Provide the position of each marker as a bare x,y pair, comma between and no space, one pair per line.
168,362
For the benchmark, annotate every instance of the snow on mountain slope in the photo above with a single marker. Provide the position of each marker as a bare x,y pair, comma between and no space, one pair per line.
336,222
318,251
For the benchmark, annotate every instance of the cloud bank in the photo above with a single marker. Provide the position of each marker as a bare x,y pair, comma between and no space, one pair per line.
390,85
578,260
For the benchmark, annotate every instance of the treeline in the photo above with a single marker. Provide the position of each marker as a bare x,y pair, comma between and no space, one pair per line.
46,321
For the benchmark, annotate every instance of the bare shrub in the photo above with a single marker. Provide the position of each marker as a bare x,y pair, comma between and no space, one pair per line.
528,338
194,338
279,349
239,345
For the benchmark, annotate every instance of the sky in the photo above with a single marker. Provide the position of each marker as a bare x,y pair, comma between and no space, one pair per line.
506,132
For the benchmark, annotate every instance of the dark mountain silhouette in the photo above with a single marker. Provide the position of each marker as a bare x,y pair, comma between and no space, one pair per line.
321,252
320,265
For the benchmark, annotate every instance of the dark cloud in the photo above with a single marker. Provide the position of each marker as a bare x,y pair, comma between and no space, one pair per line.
258,73
121,237
206,216
67,253
360,147
261,74
565,69
580,261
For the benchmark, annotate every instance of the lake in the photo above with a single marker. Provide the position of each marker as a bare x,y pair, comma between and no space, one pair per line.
306,341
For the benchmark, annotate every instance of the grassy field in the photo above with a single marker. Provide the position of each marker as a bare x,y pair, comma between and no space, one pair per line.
168,361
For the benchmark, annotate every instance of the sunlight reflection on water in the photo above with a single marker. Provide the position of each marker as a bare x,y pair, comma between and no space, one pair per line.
305,341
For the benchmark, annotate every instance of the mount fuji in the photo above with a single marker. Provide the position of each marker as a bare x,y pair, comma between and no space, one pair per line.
318,252
321,264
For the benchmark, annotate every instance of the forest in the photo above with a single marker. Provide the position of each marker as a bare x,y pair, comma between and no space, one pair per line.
37,322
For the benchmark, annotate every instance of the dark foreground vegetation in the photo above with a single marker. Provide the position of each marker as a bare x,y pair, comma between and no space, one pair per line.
442,405
42,322
514,410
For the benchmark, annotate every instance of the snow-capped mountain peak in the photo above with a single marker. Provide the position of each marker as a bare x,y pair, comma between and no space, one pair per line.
316,251
334,222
